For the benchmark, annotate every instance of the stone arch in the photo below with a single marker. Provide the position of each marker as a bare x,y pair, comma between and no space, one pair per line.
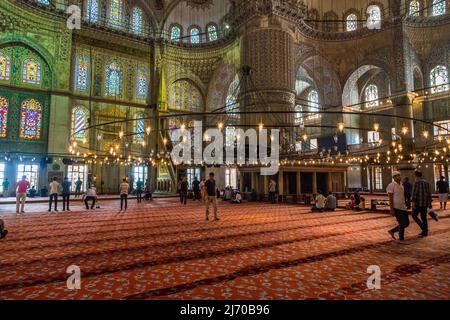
218,86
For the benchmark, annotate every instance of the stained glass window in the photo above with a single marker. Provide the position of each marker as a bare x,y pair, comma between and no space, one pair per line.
371,95
212,32
414,8
31,72
352,22
30,120
175,33
114,78
438,7
5,66
92,11
79,122
375,15
116,13
139,128
313,103
231,102
439,79
184,96
44,1
136,21
3,116
195,35
141,84
81,73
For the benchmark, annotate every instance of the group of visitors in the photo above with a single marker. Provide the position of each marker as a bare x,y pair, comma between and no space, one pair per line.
421,202
323,204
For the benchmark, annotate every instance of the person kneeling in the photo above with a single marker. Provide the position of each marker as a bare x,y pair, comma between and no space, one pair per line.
237,198
320,203
91,195
3,231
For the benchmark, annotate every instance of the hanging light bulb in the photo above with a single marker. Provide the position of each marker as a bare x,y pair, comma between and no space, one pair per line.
148,130
165,140
261,126
121,134
341,127
425,134
376,126
220,126
405,130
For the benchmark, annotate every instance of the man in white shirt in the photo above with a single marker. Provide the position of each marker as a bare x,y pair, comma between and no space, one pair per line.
272,190
124,190
91,195
397,204
320,203
54,190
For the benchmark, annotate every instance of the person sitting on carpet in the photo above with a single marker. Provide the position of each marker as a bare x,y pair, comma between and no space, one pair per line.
330,203
237,198
320,203
3,231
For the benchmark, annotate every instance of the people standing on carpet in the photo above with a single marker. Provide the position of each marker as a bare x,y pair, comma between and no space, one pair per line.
5,185
196,189
21,194
421,202
272,190
442,188
397,205
3,231
211,196
124,190
66,185
78,185
139,185
91,195
183,190
54,190
408,192
330,202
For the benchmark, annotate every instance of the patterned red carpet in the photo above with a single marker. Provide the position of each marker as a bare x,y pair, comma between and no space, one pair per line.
256,251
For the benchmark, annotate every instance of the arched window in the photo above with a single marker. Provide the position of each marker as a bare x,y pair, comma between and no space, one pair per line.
92,10
5,66
414,8
114,77
3,116
115,13
79,122
438,7
313,103
175,33
212,32
184,96
44,1
374,19
194,35
141,84
136,21
81,73
139,128
439,79
30,120
352,22
31,72
371,96
232,101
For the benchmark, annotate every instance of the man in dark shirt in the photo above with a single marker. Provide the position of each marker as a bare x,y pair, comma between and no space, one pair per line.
442,188
211,198
66,184
408,192
183,188
78,185
421,201
196,189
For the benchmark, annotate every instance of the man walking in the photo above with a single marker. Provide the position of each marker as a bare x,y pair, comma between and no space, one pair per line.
397,204
421,201
66,185
442,188
5,185
139,185
21,194
408,192
211,198
124,190
272,190
78,185
183,190
54,189
196,189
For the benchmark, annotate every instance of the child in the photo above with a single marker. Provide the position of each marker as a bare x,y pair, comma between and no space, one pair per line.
3,231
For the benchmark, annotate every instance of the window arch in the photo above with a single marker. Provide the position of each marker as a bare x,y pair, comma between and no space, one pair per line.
136,21
194,33
114,78
176,32
92,10
439,79
374,18
371,96
31,72
30,120
313,104
184,95
414,8
351,22
4,105
79,122
232,104
141,83
5,66
82,67
438,7
211,28
116,13
139,128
